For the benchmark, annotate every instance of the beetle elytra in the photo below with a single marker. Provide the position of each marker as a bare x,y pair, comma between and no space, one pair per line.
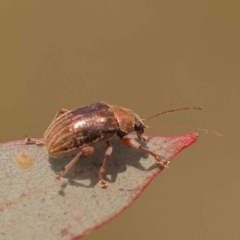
80,130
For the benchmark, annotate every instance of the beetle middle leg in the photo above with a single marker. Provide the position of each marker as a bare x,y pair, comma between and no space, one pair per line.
85,151
104,166
132,143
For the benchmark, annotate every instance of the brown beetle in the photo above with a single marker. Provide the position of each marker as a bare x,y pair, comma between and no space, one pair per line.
80,130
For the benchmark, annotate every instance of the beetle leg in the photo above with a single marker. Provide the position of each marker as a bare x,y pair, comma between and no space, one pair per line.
140,137
104,166
85,151
132,143
59,113
29,141
69,166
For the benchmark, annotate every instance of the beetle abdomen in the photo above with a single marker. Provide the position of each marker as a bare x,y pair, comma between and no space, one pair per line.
85,126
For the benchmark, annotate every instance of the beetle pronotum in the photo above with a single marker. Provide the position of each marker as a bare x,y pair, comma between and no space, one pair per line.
80,130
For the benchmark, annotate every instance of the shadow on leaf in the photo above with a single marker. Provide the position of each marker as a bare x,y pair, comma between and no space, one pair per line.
88,167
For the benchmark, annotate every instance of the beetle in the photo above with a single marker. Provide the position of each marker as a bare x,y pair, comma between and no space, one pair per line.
81,130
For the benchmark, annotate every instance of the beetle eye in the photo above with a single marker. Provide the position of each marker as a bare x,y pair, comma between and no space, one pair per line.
138,126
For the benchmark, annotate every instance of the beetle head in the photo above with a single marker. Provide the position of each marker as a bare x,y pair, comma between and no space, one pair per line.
128,121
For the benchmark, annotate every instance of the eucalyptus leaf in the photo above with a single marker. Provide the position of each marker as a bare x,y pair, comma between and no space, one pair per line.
34,205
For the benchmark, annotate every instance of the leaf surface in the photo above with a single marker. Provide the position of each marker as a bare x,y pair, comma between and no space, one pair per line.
34,205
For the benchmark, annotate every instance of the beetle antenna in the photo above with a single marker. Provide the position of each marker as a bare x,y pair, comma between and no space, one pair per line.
173,110
187,128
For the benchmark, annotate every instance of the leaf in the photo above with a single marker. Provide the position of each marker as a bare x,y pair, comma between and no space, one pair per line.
34,205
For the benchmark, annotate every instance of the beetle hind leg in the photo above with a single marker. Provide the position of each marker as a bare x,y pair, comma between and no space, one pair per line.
29,141
132,143
104,166
85,151
58,114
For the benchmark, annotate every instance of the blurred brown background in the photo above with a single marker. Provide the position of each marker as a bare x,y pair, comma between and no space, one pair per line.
148,56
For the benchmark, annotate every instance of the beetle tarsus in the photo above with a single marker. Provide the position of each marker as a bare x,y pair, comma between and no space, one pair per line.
132,143
104,166
85,151
58,177
164,163
103,184
62,173
140,137
29,141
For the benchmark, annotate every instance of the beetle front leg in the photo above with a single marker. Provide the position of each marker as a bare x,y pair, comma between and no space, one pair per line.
140,137
104,166
85,151
132,143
